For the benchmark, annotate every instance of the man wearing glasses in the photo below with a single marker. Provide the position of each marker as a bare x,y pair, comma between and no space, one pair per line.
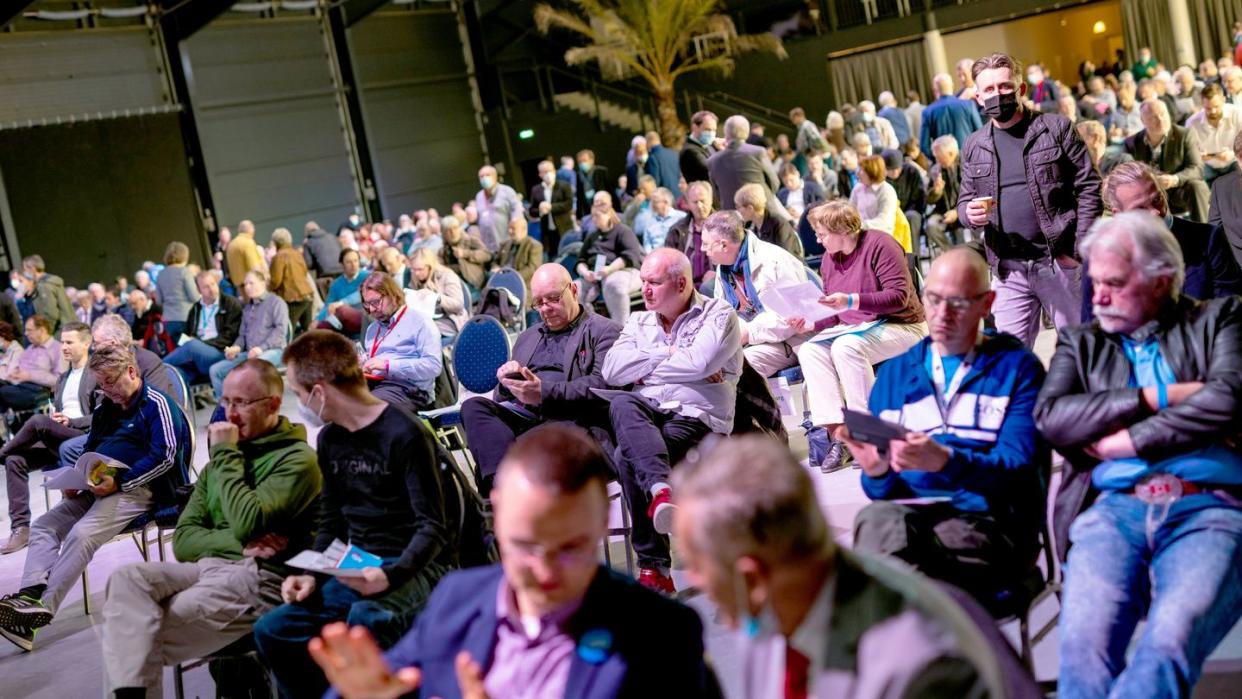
252,508
555,365
961,495
549,620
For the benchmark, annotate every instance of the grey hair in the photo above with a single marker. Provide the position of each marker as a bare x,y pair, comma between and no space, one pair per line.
755,500
112,329
1152,249
664,193
736,128
727,225
282,238
945,141
1154,105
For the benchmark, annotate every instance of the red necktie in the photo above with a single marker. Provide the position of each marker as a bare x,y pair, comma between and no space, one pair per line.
797,666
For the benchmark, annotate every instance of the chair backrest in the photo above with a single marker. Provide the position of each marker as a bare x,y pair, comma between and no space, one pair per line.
810,244
481,347
509,279
181,396
568,239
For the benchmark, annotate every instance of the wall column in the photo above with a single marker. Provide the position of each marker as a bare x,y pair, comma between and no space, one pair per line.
1183,39
933,46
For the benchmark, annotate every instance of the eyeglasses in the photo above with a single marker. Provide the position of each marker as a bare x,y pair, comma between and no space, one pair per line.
566,557
549,299
238,403
373,304
957,304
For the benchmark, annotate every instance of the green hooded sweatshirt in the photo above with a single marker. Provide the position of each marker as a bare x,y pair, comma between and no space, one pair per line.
260,486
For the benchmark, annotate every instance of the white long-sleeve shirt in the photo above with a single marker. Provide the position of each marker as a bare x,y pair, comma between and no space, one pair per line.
671,370
877,205
1217,139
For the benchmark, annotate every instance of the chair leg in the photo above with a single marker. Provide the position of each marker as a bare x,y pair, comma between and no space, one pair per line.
1024,632
178,682
627,539
86,594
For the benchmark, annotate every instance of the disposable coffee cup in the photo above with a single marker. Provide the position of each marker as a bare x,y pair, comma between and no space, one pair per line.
987,202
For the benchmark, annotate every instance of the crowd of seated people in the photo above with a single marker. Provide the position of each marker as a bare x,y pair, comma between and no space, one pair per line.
1108,206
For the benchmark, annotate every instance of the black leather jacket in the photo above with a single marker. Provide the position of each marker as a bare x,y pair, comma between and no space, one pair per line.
1064,185
1087,394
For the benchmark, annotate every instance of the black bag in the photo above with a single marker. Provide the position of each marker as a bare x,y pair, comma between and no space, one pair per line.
476,543
156,337
495,302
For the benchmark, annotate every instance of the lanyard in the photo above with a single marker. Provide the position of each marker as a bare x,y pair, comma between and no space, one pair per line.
379,338
206,318
946,395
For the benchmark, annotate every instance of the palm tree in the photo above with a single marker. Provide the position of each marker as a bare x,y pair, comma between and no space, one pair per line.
657,40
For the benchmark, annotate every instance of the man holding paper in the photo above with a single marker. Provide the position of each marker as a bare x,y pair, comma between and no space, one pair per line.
877,316
751,271
138,426
381,492
960,495
252,507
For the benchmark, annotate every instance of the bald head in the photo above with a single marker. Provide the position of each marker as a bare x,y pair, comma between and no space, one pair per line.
942,84
956,298
245,228
554,296
964,264
670,263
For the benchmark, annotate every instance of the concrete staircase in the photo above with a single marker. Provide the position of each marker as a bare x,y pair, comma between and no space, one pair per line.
610,112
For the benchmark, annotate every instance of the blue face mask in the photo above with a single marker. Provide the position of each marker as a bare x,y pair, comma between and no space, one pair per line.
707,137
485,182
584,167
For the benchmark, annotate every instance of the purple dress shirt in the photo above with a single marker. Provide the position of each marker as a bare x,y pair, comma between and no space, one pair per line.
525,667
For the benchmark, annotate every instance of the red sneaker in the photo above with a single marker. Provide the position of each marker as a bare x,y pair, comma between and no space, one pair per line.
661,511
653,579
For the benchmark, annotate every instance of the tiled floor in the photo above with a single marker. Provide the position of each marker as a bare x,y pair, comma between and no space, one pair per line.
72,642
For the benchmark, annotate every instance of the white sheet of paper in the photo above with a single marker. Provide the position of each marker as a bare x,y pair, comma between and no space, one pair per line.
928,500
325,562
75,477
797,301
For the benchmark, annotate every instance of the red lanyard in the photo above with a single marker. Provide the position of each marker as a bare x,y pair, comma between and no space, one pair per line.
379,339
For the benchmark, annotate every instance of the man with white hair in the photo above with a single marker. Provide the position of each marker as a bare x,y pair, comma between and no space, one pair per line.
877,128
1143,403
741,163
653,223
943,184
965,78
1174,152
895,116
1231,80
947,115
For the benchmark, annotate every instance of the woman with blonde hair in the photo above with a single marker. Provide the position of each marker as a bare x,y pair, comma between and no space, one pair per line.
429,276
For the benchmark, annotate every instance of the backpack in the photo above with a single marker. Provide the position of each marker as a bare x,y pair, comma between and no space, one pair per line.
156,337
497,303
465,508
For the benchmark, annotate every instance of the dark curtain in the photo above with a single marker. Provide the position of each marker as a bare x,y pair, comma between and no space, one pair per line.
1146,23
863,76
1211,22
97,198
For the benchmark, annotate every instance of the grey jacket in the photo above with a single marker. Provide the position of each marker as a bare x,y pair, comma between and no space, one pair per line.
591,338
893,634
738,164
265,323
1064,185
177,293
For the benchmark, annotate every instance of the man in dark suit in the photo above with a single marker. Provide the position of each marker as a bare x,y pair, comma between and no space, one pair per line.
35,445
559,361
1174,152
1211,270
595,635
699,146
1226,208
665,165
214,322
552,204
741,163
591,179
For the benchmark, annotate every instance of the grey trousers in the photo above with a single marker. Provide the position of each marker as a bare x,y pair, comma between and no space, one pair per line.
65,539
1021,294
164,613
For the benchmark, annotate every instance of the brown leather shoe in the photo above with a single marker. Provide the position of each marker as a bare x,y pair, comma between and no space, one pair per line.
17,541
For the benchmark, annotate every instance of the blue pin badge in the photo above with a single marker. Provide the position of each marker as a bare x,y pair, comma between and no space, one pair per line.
595,646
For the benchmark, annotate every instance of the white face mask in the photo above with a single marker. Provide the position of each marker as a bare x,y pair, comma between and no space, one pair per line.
311,417
549,178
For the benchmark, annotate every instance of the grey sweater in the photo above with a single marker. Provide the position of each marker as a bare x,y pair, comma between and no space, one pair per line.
177,293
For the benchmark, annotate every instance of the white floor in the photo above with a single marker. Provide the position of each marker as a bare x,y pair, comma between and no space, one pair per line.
67,661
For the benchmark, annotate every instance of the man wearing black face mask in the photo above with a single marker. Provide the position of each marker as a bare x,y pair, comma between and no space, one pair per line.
1029,185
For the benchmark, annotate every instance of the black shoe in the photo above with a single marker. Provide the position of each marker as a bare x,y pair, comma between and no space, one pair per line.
17,611
21,636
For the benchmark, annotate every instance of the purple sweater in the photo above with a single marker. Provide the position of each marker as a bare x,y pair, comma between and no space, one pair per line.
877,272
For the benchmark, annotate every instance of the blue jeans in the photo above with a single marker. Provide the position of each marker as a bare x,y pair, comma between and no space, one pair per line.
1185,574
221,369
71,449
194,359
282,634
